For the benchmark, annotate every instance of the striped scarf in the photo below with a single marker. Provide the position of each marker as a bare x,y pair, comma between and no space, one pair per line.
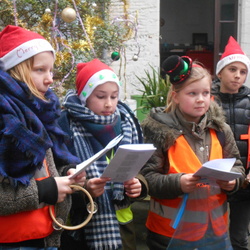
91,133
28,129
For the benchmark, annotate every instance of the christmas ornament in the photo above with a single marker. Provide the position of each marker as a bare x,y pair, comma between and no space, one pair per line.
47,10
115,56
68,15
135,57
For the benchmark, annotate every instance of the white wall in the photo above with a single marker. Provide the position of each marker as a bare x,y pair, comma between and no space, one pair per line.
244,28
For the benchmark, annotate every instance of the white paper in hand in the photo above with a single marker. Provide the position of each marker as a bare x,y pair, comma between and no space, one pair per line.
218,169
82,166
127,161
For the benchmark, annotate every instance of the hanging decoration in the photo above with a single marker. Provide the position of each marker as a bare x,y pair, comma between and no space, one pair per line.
57,33
115,56
130,24
84,30
47,10
135,57
129,32
15,12
68,15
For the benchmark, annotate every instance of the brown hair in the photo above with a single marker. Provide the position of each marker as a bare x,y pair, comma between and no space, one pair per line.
22,71
197,73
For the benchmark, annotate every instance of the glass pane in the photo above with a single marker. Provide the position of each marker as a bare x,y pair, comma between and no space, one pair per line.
227,30
228,10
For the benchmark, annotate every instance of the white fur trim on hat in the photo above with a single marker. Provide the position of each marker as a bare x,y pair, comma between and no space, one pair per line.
97,79
233,58
25,51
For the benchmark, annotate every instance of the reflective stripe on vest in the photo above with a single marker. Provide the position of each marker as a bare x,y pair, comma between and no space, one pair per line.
28,225
162,212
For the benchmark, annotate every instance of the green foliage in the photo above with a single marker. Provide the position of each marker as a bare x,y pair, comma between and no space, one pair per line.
73,45
155,89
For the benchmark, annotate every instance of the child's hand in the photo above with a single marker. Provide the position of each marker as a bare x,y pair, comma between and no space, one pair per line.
132,188
80,179
95,186
226,185
188,182
63,187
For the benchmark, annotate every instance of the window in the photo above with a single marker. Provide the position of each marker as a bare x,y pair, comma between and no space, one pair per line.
225,25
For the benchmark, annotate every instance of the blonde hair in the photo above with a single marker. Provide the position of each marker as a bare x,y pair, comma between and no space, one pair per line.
197,73
22,72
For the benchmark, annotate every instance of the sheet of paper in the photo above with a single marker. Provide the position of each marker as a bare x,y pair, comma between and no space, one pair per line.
127,161
218,169
82,166
220,164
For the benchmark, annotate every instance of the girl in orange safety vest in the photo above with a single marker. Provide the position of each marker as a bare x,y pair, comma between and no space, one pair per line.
187,133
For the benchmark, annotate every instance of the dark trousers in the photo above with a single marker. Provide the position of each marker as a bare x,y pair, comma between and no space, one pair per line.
239,215
128,236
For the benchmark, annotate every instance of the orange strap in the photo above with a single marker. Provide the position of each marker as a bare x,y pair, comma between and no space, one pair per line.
247,137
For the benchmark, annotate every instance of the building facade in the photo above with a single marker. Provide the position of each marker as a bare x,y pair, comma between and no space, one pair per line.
160,24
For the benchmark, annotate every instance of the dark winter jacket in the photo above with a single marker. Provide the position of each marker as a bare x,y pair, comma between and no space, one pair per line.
237,111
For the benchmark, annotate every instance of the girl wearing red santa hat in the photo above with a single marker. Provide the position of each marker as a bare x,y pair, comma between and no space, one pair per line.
234,96
93,116
33,155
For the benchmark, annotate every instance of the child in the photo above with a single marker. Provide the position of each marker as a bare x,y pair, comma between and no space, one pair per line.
185,134
31,144
93,117
234,97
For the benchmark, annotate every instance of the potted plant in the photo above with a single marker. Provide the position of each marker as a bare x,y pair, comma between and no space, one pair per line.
153,92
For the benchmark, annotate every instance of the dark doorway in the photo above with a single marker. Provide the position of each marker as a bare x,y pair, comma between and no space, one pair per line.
199,29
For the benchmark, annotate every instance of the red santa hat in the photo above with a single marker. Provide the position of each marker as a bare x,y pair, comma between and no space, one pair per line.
18,44
232,53
92,74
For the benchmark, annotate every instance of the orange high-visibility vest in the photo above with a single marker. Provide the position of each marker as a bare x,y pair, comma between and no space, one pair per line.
28,225
162,212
